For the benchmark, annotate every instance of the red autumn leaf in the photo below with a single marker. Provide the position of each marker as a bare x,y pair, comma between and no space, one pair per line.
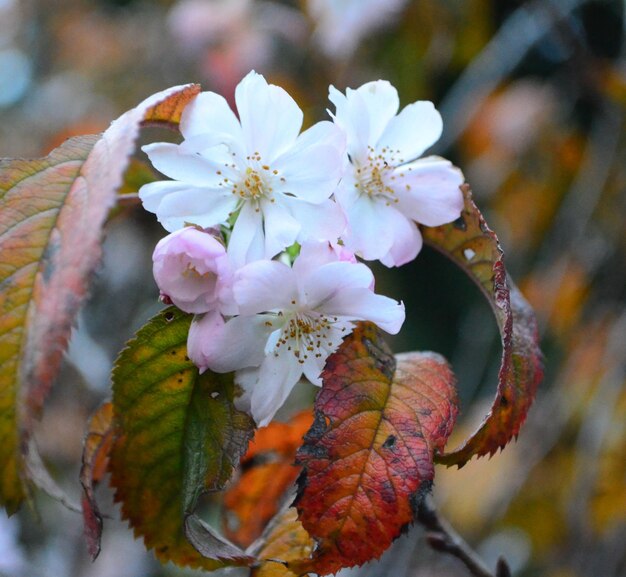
96,449
51,215
268,472
368,459
474,247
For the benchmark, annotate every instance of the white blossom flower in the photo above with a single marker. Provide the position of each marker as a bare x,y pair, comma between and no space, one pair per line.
386,190
258,168
340,25
193,271
291,319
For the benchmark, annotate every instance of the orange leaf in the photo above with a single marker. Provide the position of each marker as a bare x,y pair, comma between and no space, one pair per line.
474,247
368,459
269,471
51,215
96,449
286,541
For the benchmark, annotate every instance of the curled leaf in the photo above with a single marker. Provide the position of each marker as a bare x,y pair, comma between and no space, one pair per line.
51,215
474,247
96,449
368,458
285,541
177,435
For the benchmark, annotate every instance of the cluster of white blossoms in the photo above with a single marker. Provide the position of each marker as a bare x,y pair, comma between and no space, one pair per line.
266,224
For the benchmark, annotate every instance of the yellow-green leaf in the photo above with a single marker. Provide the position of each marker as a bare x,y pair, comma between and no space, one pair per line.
177,435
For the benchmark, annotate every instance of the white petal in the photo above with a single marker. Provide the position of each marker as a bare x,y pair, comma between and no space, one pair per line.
203,207
352,117
416,128
319,137
369,235
347,192
237,344
434,197
281,228
183,165
382,103
270,118
264,286
277,377
319,222
247,380
311,175
313,367
362,304
153,193
322,284
407,240
209,112
247,240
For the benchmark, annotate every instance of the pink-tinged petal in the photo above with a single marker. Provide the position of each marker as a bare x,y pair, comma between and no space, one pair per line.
416,128
351,115
183,165
203,207
322,284
369,236
281,228
407,240
382,103
277,377
319,222
434,197
205,328
247,241
270,118
264,286
209,112
364,305
225,347
312,256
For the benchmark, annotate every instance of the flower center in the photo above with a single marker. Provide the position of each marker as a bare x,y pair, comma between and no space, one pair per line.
308,335
256,183
375,174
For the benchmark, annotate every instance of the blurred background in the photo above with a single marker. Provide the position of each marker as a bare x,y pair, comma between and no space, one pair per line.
533,96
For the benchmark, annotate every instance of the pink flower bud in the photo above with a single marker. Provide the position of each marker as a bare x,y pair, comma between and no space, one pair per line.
193,271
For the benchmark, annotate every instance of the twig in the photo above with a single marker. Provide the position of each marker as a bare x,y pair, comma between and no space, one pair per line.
442,537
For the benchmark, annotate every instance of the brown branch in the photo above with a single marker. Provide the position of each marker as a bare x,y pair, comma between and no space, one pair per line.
442,537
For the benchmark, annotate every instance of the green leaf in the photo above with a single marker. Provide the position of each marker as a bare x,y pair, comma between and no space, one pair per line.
52,211
177,435
474,247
